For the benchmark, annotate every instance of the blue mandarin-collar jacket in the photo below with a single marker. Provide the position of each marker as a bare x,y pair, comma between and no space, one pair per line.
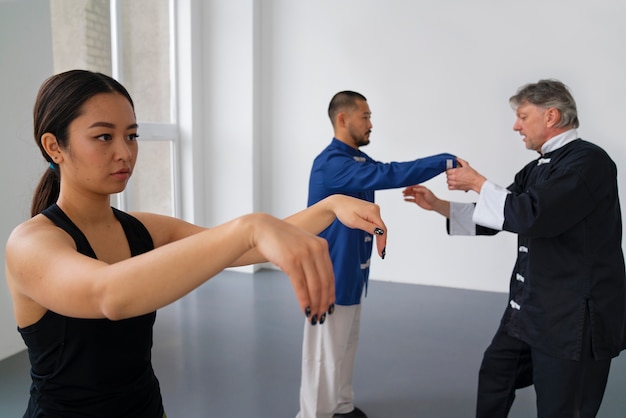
342,169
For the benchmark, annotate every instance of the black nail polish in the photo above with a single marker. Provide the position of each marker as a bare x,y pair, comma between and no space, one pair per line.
314,320
331,309
378,231
384,253
322,318
307,311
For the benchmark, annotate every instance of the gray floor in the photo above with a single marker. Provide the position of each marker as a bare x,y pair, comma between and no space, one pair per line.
231,349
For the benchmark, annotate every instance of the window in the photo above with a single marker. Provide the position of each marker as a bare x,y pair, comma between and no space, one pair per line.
133,42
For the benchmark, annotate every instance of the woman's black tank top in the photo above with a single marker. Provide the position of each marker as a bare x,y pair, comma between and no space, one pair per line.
93,367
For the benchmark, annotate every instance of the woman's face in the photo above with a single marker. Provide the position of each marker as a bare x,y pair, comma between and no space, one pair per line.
102,147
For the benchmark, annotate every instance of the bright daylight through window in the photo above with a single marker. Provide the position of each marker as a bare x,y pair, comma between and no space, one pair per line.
131,41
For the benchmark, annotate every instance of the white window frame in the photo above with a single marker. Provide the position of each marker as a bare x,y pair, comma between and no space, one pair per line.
150,131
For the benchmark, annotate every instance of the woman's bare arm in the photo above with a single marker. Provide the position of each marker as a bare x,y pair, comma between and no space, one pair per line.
43,268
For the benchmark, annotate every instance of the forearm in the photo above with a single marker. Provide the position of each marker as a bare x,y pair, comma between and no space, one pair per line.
165,274
442,207
351,212
313,219
317,217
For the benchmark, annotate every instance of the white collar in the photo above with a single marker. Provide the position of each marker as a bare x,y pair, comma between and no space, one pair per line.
558,141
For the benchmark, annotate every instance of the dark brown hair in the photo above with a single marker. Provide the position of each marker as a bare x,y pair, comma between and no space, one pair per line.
60,100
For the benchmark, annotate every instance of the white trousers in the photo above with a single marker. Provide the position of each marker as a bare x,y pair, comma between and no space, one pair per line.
328,353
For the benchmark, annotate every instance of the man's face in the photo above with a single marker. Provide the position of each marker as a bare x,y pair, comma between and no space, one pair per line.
531,122
359,124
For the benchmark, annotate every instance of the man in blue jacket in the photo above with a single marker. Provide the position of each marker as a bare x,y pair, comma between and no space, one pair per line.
328,352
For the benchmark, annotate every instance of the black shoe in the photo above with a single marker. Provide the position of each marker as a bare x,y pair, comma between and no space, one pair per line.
355,413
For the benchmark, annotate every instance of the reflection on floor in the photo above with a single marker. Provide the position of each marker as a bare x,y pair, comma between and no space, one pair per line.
231,349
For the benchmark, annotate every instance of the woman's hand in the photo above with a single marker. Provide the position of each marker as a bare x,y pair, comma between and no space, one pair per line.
302,256
293,246
360,214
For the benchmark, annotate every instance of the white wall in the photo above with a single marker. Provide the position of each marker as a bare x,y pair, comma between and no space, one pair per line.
437,76
26,60
229,136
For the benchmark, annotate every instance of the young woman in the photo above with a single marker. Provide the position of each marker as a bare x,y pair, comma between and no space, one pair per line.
86,278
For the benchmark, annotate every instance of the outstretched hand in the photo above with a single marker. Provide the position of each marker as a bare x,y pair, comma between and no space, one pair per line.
421,196
363,215
464,177
305,259
426,199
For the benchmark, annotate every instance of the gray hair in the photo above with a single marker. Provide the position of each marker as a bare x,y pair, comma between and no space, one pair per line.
549,94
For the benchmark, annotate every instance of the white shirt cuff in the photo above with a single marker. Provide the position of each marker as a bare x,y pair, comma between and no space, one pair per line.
461,222
489,210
